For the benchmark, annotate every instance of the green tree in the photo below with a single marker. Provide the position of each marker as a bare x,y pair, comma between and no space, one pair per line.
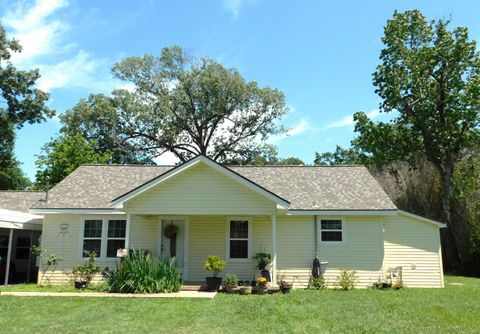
430,76
189,106
20,103
261,156
63,155
341,156
98,119
13,178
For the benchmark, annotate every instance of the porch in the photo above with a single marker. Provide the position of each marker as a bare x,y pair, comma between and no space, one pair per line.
236,239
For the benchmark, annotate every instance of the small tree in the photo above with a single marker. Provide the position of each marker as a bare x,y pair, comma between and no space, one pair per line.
48,262
214,264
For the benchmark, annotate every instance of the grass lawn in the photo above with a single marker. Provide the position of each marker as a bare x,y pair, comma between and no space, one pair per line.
453,309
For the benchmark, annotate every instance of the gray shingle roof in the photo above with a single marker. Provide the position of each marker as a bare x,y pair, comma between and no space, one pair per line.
19,200
305,187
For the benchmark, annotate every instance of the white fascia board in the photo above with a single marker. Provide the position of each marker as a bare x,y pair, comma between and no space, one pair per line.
342,212
423,219
223,170
76,211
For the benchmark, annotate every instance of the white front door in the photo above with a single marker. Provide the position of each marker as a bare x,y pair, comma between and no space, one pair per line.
172,241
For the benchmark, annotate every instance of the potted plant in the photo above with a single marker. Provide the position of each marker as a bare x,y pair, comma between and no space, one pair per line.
246,288
262,286
215,264
285,286
84,273
263,260
230,284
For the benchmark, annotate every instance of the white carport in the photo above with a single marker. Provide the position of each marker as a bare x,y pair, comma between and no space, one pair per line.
19,221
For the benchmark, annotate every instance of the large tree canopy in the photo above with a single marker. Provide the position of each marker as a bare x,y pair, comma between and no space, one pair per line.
188,107
98,119
430,76
63,155
20,103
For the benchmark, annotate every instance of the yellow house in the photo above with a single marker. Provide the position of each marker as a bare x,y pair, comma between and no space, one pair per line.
339,215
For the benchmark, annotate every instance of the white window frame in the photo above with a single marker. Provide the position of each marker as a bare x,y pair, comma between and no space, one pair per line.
104,238
249,240
320,230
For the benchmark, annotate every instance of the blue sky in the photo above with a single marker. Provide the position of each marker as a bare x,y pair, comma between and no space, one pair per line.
321,54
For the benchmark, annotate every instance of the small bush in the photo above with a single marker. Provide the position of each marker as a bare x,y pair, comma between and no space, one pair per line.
347,279
231,280
215,264
382,284
319,283
86,271
140,273
398,284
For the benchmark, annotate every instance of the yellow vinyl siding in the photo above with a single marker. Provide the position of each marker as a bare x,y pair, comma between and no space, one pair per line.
200,190
144,233
362,250
67,246
208,236
414,246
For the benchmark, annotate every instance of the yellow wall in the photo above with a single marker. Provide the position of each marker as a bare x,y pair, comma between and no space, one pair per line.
362,250
207,236
414,246
200,190
372,245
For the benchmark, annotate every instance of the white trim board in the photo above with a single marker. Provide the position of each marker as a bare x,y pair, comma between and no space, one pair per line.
119,201
423,219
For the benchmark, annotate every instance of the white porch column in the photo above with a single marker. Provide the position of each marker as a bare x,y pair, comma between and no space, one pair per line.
127,232
9,255
274,249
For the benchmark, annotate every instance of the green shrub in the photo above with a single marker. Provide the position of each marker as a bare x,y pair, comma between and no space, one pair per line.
382,284
347,279
319,283
215,264
231,280
140,273
87,270
263,260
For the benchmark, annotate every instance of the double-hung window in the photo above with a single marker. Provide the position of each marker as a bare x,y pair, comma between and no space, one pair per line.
331,230
238,239
103,236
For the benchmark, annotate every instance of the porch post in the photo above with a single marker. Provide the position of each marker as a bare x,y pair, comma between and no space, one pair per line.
274,249
127,232
9,255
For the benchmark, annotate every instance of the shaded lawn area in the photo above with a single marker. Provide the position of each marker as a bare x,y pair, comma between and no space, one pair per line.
453,309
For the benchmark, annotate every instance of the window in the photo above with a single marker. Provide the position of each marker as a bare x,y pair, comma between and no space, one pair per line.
23,248
238,239
116,236
92,237
103,236
331,230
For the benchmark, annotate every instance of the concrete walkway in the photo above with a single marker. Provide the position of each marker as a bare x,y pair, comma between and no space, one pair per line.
181,294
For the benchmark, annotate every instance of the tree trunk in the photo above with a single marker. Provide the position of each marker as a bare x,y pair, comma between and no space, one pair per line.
453,237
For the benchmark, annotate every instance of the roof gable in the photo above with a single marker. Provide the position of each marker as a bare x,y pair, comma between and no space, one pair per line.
174,172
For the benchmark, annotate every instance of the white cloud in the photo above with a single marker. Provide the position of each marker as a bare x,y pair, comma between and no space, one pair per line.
34,27
298,129
43,34
234,6
348,120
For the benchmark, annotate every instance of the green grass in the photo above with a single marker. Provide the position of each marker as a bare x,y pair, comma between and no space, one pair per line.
453,309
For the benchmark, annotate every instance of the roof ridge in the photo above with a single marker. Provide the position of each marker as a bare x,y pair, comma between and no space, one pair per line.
228,166
22,191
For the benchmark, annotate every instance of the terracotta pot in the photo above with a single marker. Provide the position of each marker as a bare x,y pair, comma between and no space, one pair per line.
231,289
245,290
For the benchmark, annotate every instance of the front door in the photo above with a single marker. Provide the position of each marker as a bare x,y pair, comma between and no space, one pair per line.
172,241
